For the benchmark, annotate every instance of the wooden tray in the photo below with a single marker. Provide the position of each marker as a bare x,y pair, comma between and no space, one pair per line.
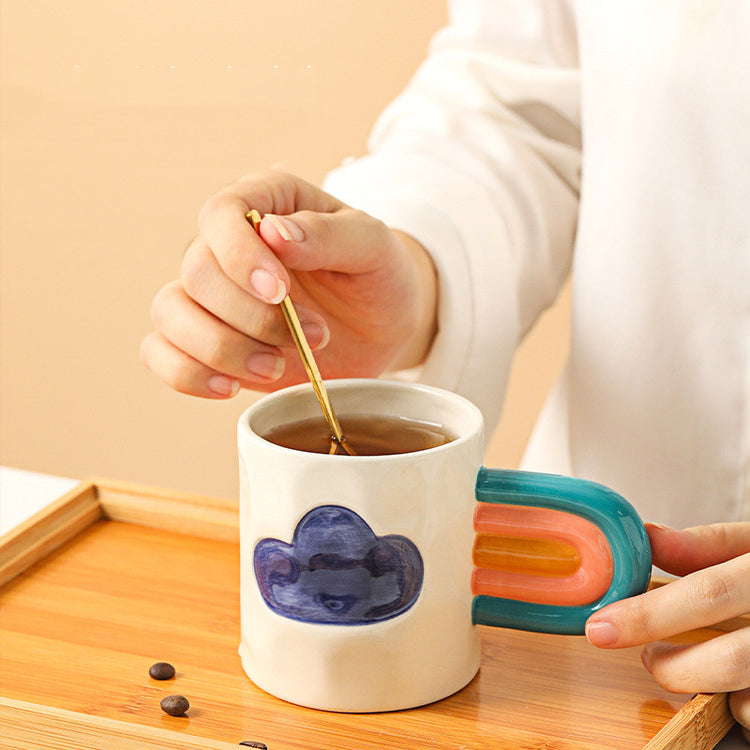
114,577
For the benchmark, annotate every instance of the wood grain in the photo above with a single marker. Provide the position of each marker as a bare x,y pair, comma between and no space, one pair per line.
81,626
700,724
26,726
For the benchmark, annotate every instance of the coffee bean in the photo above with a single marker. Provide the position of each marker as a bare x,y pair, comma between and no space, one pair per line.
252,743
162,670
175,705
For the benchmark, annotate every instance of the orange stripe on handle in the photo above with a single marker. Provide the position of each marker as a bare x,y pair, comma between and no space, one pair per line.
588,583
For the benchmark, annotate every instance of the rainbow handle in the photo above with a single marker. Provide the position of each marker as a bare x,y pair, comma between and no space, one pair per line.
621,566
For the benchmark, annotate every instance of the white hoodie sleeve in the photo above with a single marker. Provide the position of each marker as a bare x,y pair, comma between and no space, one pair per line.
479,160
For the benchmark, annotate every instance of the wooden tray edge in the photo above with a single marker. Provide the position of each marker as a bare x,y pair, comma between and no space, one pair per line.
94,499
32,726
48,529
179,512
699,725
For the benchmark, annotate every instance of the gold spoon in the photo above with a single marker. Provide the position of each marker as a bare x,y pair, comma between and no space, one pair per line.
290,315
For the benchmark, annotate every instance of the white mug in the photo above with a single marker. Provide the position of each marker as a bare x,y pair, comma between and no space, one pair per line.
358,590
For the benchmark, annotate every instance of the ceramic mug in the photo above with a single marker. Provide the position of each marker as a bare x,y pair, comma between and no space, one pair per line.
363,579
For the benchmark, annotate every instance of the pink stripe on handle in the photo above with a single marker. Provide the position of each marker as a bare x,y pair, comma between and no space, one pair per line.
587,584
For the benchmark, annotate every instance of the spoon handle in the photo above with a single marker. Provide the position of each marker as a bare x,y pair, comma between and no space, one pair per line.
290,315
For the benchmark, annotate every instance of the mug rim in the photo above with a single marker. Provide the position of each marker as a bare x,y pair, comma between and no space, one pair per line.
476,420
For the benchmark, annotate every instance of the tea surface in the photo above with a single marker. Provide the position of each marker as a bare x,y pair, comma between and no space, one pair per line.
367,435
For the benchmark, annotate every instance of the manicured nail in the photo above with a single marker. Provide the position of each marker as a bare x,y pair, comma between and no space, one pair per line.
601,633
266,366
317,335
286,228
223,385
268,286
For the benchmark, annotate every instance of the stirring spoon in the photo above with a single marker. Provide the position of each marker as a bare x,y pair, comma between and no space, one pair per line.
290,315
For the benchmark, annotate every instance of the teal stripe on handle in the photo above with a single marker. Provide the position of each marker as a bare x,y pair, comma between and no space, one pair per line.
538,618
618,520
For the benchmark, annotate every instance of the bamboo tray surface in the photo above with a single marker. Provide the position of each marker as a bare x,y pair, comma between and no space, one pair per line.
114,577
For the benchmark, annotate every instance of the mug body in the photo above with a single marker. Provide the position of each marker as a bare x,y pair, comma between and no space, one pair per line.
356,571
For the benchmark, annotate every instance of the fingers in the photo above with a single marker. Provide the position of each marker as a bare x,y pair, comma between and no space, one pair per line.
192,344
717,590
682,552
739,705
719,665
205,282
701,598
242,255
207,340
347,241
361,271
183,373
342,268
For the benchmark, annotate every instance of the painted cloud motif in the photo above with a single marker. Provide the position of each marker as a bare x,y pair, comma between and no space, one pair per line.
337,571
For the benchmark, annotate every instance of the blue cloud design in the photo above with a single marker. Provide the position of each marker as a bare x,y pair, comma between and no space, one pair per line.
338,571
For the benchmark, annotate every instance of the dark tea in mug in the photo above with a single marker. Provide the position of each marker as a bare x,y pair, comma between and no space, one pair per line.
367,435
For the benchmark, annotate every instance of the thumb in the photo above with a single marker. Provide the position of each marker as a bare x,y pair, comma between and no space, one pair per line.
682,552
345,241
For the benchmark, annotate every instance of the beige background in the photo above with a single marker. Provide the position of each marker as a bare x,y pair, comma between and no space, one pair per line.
118,120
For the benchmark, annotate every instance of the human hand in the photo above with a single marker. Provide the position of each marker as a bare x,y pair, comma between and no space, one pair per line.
365,295
715,563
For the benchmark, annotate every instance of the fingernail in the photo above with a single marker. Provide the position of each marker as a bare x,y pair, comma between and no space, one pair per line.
317,335
646,658
265,365
268,286
659,526
223,385
601,633
286,228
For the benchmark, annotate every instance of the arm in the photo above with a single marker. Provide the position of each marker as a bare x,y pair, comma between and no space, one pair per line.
478,160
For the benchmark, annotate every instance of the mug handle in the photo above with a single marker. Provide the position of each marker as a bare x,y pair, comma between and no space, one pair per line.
615,517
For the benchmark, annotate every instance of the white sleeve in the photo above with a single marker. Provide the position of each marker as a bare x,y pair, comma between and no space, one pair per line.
479,160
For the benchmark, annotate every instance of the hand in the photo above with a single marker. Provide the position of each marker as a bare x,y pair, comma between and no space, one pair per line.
715,563
365,295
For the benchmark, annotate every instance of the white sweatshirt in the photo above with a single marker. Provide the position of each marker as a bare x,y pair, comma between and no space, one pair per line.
610,138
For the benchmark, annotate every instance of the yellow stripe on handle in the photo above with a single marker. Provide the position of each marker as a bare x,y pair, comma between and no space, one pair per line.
543,557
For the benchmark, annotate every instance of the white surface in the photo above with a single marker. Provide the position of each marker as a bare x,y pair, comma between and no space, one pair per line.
23,493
